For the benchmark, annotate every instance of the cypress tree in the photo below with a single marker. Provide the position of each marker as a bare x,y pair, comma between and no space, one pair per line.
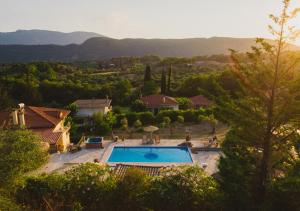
163,85
147,74
169,79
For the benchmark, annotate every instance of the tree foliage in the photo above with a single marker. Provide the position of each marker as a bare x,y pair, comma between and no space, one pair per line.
264,118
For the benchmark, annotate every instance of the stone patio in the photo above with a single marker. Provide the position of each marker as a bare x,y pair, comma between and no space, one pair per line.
63,161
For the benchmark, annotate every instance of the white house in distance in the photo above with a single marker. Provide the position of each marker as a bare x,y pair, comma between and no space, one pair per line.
157,102
86,108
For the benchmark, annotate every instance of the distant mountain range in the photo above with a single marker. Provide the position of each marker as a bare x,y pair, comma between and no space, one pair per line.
104,48
44,37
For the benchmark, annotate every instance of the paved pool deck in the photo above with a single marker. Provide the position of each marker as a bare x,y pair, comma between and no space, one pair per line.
63,161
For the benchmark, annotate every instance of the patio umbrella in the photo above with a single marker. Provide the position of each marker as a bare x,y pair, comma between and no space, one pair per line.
150,129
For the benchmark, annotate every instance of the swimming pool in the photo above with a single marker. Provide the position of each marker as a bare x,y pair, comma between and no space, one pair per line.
150,155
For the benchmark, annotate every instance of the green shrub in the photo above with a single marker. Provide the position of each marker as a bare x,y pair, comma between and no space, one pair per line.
131,117
138,106
124,123
167,120
146,117
137,124
183,188
130,190
180,119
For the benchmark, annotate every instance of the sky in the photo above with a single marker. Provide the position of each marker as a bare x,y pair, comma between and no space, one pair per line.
144,18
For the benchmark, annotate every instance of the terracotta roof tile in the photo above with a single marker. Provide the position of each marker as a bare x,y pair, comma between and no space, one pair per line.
48,135
40,120
200,100
154,101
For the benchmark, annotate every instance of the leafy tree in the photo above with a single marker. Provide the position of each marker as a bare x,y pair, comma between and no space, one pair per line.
122,91
100,125
284,192
138,106
147,76
163,85
263,118
73,108
21,151
212,121
150,87
183,188
131,190
184,103
169,79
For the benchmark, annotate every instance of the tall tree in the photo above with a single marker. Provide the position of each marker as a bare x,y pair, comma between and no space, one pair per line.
163,85
263,119
169,79
147,76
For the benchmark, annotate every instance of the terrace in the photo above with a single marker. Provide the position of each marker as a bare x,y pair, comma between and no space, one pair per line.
60,162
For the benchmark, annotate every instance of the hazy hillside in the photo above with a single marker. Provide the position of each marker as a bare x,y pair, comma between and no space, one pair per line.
44,37
104,48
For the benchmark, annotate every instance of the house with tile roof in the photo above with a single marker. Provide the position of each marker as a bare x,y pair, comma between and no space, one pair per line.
48,123
200,101
159,102
87,108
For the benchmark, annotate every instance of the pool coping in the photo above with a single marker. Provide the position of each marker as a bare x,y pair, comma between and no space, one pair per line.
108,151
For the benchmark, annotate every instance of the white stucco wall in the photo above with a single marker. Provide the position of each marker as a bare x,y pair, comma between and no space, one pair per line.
87,112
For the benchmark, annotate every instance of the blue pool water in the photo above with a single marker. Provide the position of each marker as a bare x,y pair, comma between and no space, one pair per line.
150,155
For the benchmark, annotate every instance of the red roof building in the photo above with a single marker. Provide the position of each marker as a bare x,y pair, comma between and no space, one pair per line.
48,123
200,101
158,102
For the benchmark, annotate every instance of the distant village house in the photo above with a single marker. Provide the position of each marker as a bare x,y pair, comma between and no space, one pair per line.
155,103
89,107
200,101
48,123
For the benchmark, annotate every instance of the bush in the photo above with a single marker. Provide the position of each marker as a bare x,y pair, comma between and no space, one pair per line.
146,117
131,117
100,126
130,190
117,110
21,152
93,187
138,106
124,123
180,119
167,120
89,186
183,188
137,124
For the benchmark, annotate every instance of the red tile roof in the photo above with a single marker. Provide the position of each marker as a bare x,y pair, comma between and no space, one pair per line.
40,120
48,135
155,101
200,100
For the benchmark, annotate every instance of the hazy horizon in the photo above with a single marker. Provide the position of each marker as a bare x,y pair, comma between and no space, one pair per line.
173,19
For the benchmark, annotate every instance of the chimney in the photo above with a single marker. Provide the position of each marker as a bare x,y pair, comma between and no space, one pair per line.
15,117
164,99
21,114
106,98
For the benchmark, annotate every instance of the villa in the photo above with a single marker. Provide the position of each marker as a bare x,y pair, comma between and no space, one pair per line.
48,123
155,103
87,108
